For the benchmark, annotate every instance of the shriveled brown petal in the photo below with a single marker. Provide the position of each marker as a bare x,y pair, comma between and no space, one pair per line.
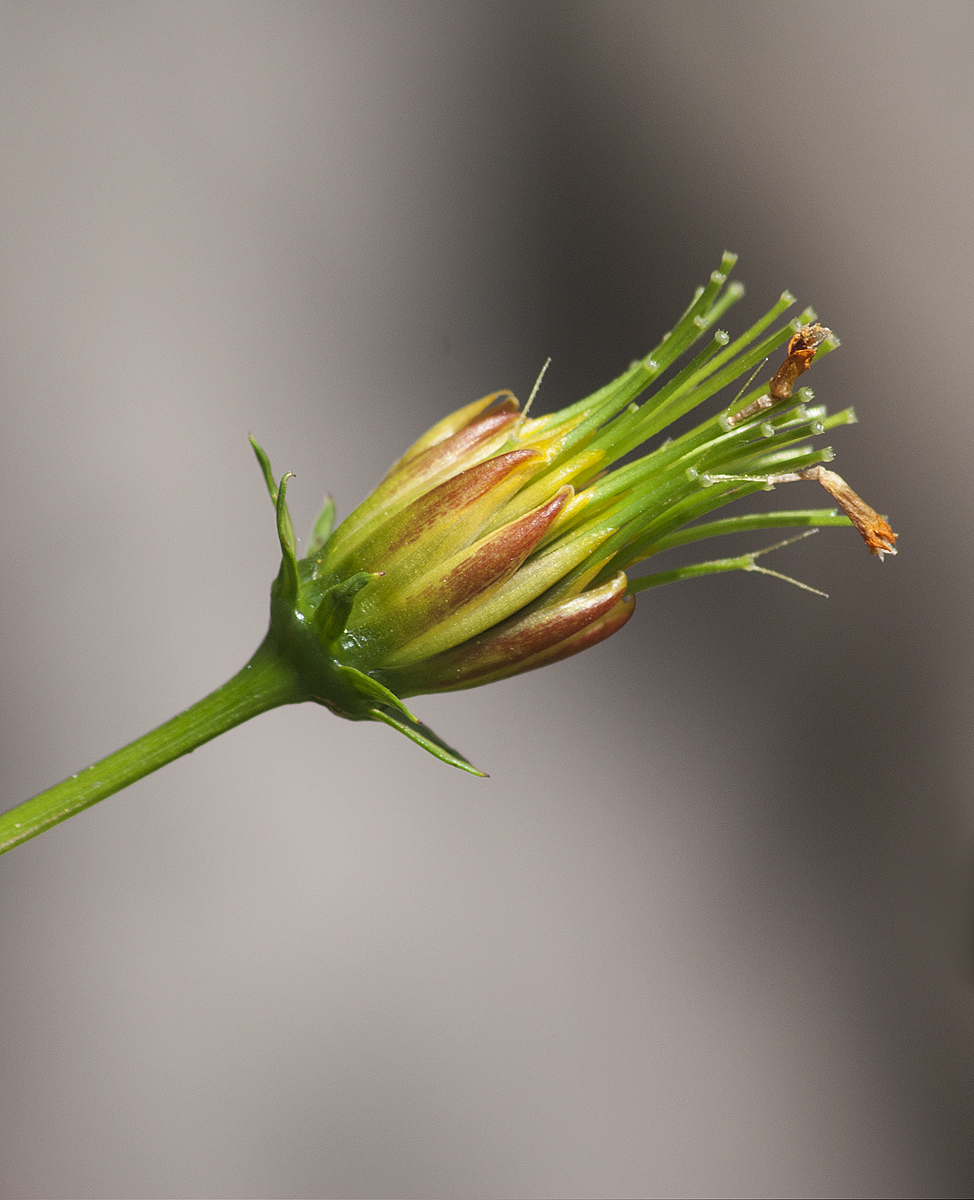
801,351
876,532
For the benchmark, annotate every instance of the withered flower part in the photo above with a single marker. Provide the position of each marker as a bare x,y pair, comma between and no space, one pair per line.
875,530
801,351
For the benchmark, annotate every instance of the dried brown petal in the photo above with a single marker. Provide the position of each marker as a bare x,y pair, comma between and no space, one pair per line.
876,533
449,516
875,530
801,351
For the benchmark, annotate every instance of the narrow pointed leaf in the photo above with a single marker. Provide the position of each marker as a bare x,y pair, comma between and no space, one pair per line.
423,736
322,527
265,466
285,534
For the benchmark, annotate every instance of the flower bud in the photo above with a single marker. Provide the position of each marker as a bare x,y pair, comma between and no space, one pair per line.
499,543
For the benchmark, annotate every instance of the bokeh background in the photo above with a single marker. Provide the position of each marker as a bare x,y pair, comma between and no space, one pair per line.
708,929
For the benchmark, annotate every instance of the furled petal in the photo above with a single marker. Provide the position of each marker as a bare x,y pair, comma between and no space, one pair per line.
522,642
496,402
424,616
470,445
445,519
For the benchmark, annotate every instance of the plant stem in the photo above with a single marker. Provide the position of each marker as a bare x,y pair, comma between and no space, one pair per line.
264,683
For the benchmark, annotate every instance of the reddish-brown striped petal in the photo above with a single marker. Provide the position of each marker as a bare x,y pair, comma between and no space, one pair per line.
475,442
448,517
416,619
486,567
520,643
591,635
451,451
496,402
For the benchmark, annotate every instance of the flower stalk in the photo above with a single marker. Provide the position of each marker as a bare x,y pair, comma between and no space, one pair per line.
264,683
501,542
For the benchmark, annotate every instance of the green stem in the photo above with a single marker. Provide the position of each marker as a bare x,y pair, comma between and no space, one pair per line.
264,683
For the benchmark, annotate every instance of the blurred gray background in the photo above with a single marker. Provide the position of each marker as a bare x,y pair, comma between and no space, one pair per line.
708,929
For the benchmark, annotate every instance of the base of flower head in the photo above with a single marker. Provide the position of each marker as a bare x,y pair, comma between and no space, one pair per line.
541,635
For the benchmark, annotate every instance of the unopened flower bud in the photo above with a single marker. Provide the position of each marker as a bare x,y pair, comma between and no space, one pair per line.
501,542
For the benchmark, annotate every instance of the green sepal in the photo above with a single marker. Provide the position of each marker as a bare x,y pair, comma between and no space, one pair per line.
423,736
323,527
366,686
288,577
265,466
331,615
